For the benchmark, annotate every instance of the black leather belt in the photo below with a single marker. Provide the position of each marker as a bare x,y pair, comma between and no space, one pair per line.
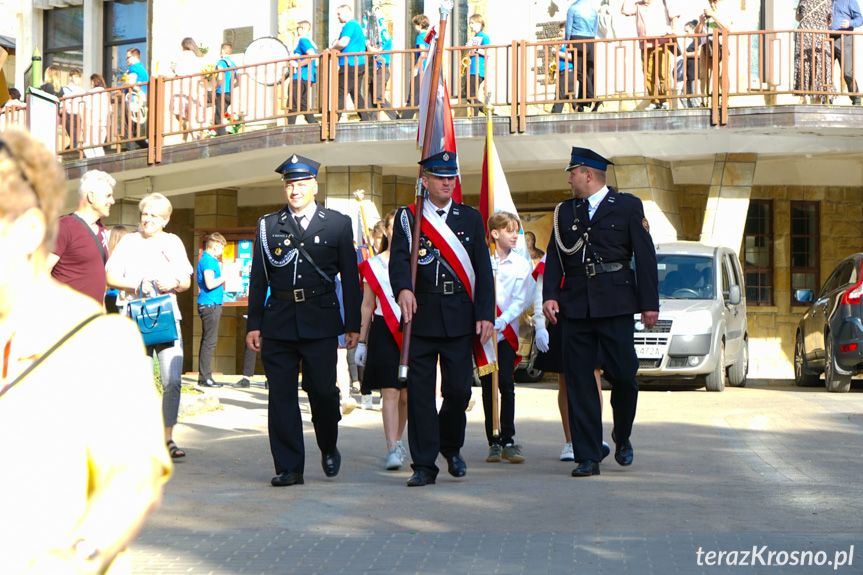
445,288
591,270
302,294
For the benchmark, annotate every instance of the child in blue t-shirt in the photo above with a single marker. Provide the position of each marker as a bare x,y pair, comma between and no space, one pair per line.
477,61
305,73
565,76
212,285
421,26
381,75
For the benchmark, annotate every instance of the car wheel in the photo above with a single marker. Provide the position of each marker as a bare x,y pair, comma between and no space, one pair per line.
528,375
803,376
739,369
836,382
715,380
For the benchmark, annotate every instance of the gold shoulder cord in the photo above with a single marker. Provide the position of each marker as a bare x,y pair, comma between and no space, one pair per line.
560,246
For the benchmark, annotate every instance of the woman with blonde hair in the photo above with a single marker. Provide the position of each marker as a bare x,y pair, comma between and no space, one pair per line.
76,442
188,103
150,262
51,82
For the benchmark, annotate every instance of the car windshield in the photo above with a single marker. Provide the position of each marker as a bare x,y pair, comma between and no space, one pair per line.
685,277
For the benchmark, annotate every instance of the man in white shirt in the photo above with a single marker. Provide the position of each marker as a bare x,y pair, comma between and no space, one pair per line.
513,277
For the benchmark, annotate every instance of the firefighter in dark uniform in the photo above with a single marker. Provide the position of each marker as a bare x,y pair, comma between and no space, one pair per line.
298,252
591,286
445,321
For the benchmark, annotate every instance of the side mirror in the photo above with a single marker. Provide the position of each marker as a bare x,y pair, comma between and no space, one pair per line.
734,295
804,295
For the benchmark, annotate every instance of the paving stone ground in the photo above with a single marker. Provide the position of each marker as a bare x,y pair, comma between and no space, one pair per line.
770,468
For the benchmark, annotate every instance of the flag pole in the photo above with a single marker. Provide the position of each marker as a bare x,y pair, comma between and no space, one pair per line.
495,382
370,241
445,10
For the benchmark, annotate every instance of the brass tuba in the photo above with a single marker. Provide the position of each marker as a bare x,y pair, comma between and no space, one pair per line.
552,70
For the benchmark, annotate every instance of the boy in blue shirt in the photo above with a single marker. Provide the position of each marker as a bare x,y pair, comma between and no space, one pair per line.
212,286
378,84
565,75
421,25
224,80
352,69
477,61
305,74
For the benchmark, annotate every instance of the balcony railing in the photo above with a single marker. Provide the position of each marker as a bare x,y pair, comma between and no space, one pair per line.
522,79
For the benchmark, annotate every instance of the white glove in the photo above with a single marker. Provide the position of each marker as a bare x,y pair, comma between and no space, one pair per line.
499,324
360,355
541,339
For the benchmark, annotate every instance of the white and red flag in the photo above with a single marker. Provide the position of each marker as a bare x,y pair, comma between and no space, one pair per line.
443,135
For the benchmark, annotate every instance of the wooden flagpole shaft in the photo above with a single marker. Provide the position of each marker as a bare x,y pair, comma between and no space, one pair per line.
420,199
495,381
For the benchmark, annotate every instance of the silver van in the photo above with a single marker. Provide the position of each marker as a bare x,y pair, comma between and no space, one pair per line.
701,334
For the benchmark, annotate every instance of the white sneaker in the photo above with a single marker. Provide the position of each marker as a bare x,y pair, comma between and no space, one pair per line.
567,454
471,403
402,450
367,402
394,459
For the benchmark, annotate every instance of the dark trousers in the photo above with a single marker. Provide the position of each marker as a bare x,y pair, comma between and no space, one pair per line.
413,98
582,338
584,66
844,47
250,358
300,101
132,129
378,87
430,432
219,109
473,82
281,361
72,125
565,89
506,386
352,80
210,315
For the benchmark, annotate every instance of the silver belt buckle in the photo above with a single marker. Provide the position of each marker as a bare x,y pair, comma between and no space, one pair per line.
448,288
590,270
299,295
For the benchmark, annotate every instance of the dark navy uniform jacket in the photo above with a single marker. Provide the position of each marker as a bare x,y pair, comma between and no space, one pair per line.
328,239
440,315
617,231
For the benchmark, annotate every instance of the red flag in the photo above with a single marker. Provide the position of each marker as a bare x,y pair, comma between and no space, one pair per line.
443,134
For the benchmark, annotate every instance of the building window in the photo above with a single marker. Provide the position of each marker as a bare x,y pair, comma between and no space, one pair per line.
805,235
125,28
64,39
758,253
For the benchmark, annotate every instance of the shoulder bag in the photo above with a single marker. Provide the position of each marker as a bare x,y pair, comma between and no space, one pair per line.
154,317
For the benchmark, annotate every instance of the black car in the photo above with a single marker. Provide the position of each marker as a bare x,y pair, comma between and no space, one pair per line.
829,336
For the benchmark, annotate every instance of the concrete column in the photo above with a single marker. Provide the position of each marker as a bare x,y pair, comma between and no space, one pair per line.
93,36
343,181
728,199
398,191
216,210
650,180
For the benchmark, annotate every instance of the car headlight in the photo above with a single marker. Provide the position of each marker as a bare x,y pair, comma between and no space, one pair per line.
697,322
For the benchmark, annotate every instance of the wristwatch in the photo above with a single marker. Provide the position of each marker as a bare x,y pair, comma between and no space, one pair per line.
85,550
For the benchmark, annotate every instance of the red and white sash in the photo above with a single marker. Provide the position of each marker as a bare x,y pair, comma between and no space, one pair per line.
374,272
539,269
457,257
510,336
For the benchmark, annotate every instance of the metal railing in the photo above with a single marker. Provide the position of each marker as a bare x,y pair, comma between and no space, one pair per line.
524,79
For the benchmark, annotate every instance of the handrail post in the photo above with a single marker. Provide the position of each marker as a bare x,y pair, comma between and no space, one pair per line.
714,76
324,97
723,81
154,128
